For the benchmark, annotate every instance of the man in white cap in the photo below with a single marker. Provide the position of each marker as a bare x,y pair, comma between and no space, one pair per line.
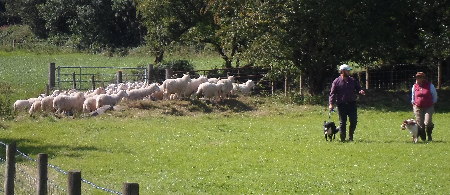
343,95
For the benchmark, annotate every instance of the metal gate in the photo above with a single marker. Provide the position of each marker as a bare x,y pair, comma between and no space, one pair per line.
83,78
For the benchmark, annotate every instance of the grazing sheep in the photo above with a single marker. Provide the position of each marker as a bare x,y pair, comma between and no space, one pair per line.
227,86
159,95
243,88
178,85
72,103
210,90
193,85
89,104
97,91
139,94
35,107
213,80
47,104
21,105
112,100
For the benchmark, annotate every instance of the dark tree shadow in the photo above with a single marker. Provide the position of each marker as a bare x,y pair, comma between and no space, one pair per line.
24,146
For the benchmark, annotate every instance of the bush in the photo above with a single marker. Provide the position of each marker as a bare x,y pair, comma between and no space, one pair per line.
177,65
20,35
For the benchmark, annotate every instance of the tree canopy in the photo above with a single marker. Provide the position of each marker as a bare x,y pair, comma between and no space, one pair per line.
307,37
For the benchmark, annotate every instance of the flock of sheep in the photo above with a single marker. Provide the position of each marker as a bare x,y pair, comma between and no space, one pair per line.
74,101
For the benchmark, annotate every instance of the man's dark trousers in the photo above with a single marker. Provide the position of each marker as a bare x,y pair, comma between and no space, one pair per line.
349,110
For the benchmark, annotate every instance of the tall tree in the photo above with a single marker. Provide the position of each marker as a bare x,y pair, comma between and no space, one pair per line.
26,12
166,21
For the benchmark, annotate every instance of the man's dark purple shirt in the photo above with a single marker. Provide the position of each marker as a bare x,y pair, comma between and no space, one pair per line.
344,91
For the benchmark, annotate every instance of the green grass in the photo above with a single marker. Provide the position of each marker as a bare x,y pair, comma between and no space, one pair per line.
267,148
28,72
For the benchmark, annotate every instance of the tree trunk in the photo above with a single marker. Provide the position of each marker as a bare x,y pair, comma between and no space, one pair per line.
439,81
159,56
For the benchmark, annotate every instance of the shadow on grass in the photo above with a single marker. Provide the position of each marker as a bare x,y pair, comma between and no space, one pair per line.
23,145
224,105
396,101
397,141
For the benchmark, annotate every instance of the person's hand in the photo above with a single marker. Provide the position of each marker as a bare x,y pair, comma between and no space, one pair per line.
331,107
362,92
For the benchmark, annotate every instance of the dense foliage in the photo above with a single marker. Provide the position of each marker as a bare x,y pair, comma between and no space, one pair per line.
304,37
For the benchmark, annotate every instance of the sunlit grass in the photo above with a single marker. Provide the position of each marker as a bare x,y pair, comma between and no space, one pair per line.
271,149
28,72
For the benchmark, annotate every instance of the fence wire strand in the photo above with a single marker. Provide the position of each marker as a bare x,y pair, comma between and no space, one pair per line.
28,183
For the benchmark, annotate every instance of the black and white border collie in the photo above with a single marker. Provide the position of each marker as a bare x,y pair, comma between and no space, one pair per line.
330,130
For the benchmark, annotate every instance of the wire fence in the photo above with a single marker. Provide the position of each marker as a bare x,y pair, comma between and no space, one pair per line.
26,177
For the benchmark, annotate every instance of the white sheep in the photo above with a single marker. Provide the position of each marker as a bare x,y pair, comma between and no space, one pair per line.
24,104
213,80
112,100
90,104
158,95
69,103
193,85
178,85
227,86
210,90
21,105
141,93
35,107
97,91
243,88
47,104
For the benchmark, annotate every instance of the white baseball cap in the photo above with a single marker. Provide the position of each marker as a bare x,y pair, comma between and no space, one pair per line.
344,67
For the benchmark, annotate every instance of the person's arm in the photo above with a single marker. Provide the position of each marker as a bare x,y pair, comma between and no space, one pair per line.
359,88
332,97
433,93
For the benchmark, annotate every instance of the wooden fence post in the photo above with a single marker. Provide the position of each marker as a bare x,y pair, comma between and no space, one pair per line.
51,75
93,82
47,90
367,78
169,73
439,79
301,85
42,174
285,85
74,80
10,172
151,74
119,77
130,189
74,183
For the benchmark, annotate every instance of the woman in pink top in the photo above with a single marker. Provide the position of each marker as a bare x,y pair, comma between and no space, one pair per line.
423,98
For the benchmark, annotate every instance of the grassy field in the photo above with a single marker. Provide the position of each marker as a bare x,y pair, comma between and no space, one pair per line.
27,73
249,145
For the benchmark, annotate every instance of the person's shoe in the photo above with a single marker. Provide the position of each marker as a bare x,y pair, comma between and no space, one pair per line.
429,131
342,137
422,134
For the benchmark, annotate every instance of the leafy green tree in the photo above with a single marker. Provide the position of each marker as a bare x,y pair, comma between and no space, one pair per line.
223,26
25,12
166,21
94,24
128,29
